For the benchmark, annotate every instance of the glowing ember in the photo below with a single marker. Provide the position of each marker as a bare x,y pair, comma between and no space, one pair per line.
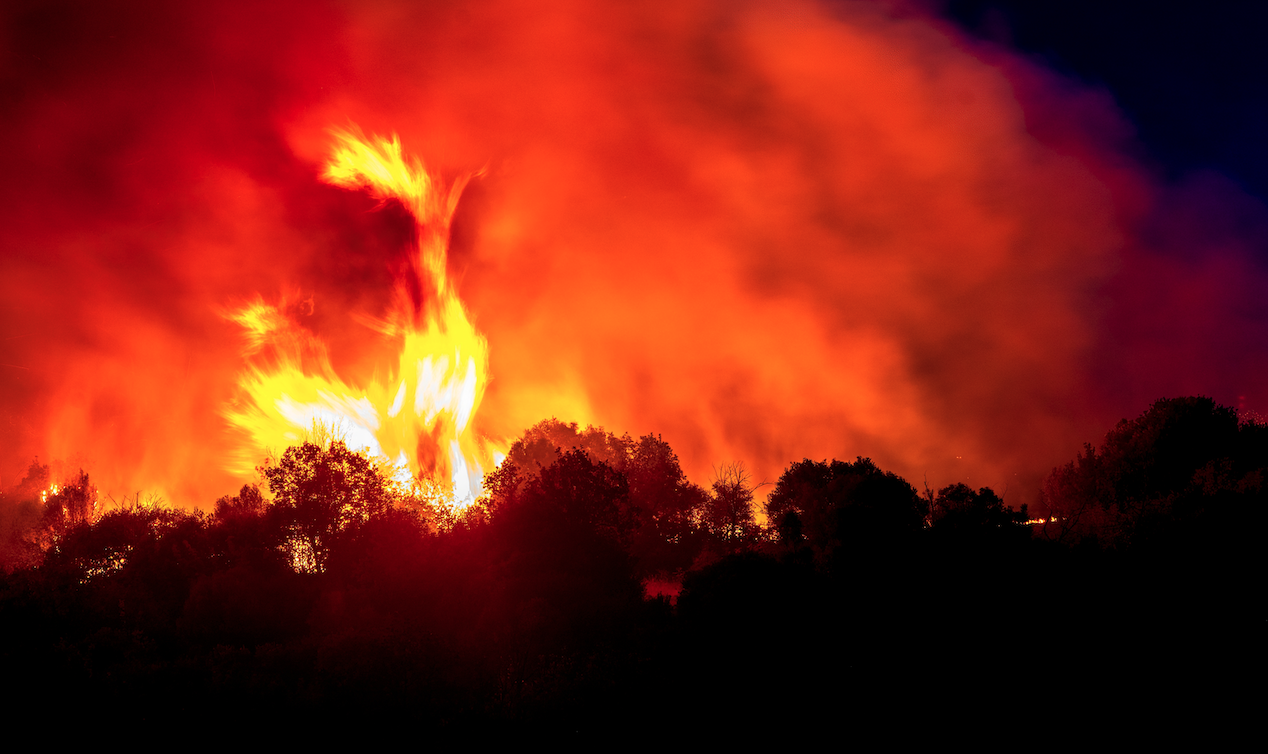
417,418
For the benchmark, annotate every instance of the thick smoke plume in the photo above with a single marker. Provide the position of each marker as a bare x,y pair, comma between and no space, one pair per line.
764,230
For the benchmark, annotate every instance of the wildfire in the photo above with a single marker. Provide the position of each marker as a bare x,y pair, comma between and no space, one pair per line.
417,417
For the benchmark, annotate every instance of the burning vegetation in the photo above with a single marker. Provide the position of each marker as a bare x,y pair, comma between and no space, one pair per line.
416,420
769,231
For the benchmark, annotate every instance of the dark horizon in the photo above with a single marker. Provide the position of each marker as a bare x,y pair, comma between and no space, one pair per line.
597,592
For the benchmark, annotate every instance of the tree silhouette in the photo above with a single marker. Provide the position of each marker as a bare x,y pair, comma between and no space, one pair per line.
828,505
559,552
21,512
74,504
958,506
588,493
247,530
1184,464
667,505
659,488
319,493
248,503
728,514
537,613
663,535
536,448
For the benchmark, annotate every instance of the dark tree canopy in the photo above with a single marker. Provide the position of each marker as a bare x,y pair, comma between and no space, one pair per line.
827,505
21,513
322,492
662,506
587,492
75,503
728,513
112,542
536,448
248,503
977,519
1186,462
37,479
555,607
658,485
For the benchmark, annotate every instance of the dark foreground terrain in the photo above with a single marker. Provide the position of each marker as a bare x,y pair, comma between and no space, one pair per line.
596,593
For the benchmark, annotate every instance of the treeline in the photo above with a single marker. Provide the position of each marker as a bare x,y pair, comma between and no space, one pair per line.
594,588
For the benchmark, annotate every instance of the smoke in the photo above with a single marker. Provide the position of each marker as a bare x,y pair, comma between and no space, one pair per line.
765,230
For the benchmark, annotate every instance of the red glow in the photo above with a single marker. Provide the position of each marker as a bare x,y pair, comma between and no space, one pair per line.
767,231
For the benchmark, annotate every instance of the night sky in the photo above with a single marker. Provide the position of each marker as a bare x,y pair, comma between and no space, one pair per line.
1189,76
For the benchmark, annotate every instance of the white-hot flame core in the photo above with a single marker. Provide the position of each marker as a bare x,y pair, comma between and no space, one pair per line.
398,401
442,359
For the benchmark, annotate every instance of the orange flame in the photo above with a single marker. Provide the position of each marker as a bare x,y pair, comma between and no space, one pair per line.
418,417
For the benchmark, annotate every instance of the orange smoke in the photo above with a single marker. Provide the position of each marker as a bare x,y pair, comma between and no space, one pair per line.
766,230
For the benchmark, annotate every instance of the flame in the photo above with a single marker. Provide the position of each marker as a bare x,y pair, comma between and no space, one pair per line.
417,418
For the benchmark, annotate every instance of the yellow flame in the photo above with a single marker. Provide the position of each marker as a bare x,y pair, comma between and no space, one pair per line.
418,417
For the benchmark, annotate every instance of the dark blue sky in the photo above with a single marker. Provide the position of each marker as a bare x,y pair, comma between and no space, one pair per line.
1191,76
